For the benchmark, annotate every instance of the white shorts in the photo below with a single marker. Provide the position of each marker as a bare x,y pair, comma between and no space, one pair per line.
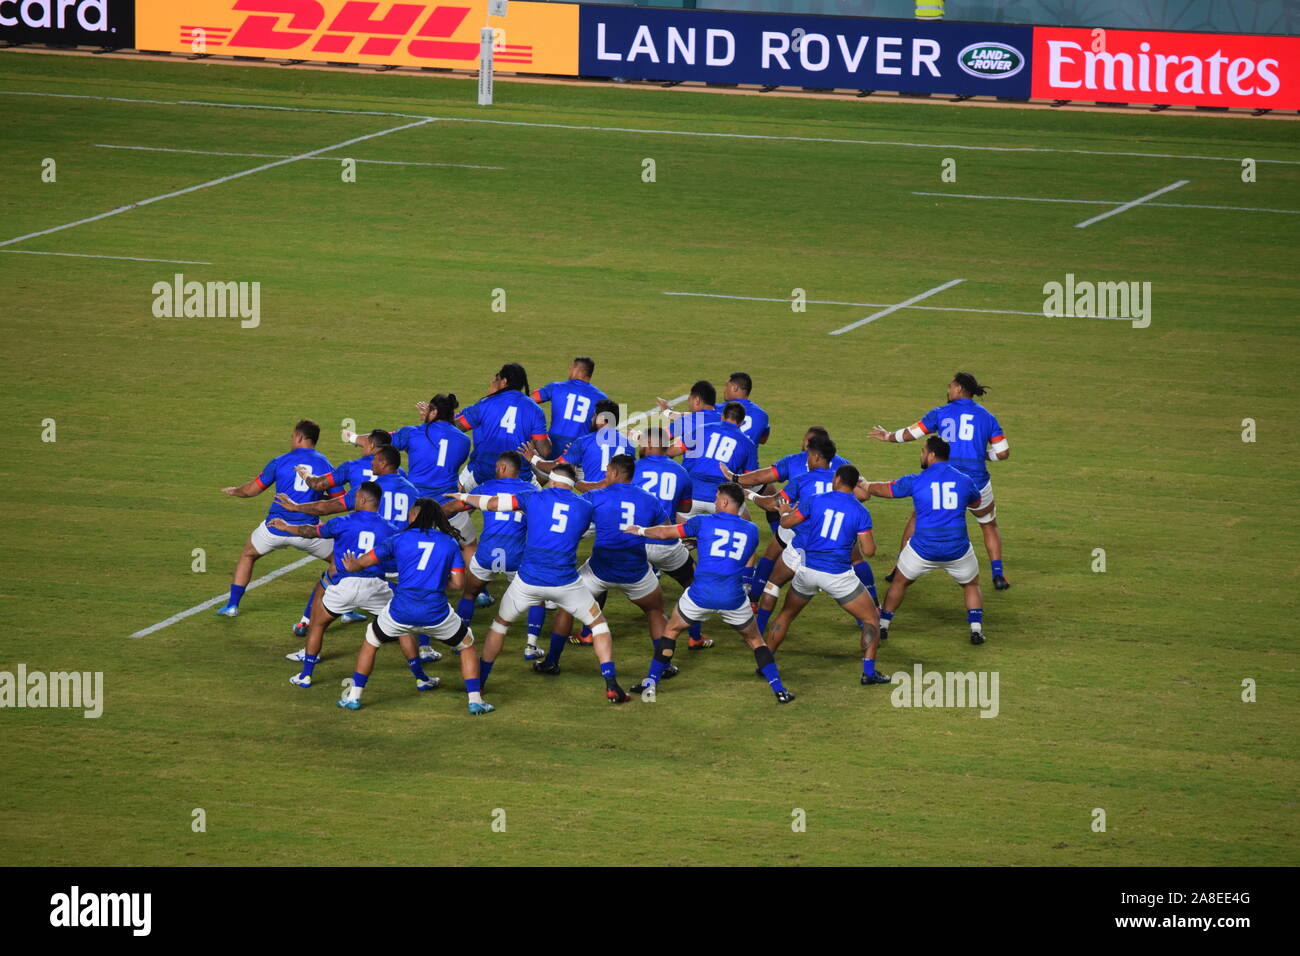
461,522
357,594
792,557
986,496
699,507
737,617
467,480
635,591
574,598
667,557
264,542
963,570
444,630
785,534
844,586
488,573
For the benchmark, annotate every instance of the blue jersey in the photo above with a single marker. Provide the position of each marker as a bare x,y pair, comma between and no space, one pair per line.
573,407
615,555
833,521
282,472
593,451
667,481
425,561
435,454
359,532
556,519
802,489
352,473
792,466
688,426
968,429
501,546
395,503
501,422
940,494
755,426
724,545
718,442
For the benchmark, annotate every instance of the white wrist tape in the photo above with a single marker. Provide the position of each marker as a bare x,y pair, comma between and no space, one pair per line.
997,448
899,435
751,494
348,436
503,502
536,459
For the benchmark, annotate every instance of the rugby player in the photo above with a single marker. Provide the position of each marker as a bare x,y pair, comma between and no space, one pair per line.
590,454
668,481
428,558
502,420
974,436
836,521
725,542
556,519
502,545
281,471
342,590
756,425
940,494
573,404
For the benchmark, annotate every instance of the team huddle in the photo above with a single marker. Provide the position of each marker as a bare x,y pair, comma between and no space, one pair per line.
405,541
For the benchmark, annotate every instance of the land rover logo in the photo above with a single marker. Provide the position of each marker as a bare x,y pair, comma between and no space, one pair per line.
995,61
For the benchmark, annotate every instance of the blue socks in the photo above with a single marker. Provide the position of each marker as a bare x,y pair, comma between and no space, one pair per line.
747,577
868,668
997,569
311,599
763,615
975,619
465,609
607,671
556,649
236,594
762,571
484,671
885,618
417,668
773,677
359,680
309,663
425,640
694,630
863,571
536,618
473,685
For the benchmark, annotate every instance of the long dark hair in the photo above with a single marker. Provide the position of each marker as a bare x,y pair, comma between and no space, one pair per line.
431,517
968,384
516,379
445,406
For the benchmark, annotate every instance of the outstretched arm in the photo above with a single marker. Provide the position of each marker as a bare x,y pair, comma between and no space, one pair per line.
789,516
249,489
660,531
329,506
910,433
486,502
881,489
532,454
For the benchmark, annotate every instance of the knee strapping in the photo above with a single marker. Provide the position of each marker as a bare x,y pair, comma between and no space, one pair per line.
598,629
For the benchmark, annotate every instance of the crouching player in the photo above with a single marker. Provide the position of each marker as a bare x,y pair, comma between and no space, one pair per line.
428,559
342,591
833,522
500,547
725,542
556,518
940,494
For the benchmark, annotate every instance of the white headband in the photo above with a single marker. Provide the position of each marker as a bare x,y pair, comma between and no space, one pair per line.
561,480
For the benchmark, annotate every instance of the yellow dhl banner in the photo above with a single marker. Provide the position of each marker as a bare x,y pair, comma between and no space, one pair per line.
533,38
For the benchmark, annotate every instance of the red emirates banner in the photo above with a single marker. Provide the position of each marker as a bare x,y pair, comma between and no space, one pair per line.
1179,69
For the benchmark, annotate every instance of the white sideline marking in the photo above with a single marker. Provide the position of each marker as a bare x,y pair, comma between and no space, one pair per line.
213,182
1131,203
320,159
86,255
862,305
901,305
656,132
650,411
1109,202
198,608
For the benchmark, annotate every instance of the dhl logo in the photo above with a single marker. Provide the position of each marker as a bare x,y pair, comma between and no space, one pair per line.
299,26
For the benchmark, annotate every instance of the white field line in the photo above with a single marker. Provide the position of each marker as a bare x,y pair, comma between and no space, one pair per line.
1109,202
1131,203
199,608
867,305
86,255
319,159
640,416
659,132
213,182
901,305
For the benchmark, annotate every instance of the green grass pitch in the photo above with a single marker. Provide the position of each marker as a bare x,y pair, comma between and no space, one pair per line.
1119,690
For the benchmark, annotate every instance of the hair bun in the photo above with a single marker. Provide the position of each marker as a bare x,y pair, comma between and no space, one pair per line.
451,397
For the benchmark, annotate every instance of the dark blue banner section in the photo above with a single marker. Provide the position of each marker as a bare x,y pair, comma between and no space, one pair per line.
802,50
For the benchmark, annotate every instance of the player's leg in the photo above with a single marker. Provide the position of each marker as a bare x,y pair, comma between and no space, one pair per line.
764,662
908,530
456,634
782,574
516,601
966,572
476,579
863,609
321,618
243,574
986,515
862,569
661,664
561,631
893,599
647,595
775,632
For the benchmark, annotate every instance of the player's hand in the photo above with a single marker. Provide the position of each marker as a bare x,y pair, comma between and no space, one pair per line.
460,496
230,491
351,561
528,449
783,506
634,529
287,503
348,437
279,524
726,472
878,433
